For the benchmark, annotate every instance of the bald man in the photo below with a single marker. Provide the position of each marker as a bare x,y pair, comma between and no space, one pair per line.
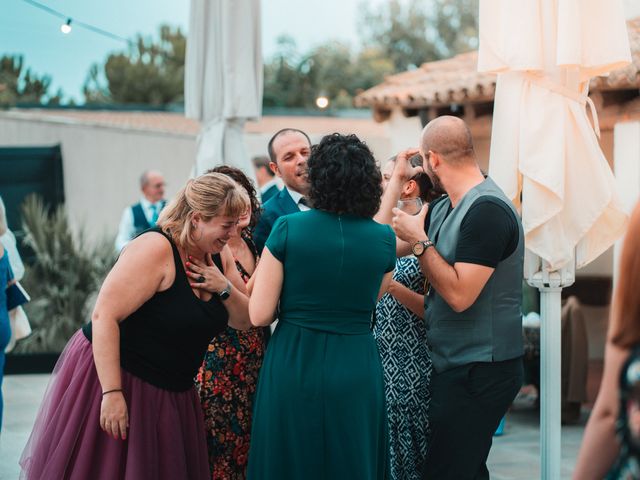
470,245
142,215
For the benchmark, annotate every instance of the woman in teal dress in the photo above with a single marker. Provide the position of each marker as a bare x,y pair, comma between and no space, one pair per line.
319,409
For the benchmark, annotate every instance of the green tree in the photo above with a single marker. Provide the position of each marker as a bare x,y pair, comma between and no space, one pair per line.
457,26
18,84
331,69
150,72
369,69
396,36
329,72
283,75
412,32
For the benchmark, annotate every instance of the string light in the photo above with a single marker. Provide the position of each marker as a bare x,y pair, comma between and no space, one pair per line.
66,27
322,102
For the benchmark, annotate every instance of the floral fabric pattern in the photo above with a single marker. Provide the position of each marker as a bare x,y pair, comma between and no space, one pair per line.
226,383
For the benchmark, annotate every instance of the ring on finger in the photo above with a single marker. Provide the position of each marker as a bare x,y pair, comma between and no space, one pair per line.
200,279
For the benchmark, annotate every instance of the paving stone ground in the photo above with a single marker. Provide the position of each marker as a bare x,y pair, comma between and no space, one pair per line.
514,456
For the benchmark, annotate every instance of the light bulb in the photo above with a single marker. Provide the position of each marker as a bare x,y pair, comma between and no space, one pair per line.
66,27
322,102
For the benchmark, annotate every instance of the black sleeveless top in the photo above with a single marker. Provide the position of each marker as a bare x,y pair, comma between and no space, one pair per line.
165,340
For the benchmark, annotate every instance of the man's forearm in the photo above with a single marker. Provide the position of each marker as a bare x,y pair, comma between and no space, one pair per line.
441,275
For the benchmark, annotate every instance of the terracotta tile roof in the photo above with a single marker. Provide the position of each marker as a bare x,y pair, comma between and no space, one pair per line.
456,80
444,82
178,124
165,122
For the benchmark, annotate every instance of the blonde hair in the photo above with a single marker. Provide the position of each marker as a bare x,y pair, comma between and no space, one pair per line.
209,195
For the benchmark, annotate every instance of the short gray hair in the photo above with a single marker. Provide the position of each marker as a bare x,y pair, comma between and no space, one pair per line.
144,178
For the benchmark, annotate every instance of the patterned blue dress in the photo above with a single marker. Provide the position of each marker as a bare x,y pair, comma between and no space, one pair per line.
402,342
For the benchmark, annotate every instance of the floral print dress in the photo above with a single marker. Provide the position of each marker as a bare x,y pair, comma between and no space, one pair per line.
226,383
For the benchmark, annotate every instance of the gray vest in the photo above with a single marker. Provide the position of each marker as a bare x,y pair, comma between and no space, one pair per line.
491,329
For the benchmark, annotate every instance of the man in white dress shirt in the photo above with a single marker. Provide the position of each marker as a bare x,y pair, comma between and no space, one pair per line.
144,214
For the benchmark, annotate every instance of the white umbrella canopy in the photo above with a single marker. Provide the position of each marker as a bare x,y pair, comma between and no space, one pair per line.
223,79
545,153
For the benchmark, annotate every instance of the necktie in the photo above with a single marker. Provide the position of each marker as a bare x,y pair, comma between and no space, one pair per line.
154,214
303,201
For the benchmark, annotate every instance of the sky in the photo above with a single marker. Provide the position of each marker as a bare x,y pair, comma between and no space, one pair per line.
36,35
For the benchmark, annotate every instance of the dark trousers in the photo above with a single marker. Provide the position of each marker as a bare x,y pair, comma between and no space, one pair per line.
467,404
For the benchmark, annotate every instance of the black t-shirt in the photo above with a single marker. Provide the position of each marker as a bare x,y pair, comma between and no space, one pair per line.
488,232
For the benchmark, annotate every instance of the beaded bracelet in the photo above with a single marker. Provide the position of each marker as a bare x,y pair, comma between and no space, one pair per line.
111,391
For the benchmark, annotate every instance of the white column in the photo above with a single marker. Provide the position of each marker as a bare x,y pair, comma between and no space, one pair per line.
403,131
626,166
631,9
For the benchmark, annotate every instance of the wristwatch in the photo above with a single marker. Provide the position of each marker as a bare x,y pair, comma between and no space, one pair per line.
421,246
224,294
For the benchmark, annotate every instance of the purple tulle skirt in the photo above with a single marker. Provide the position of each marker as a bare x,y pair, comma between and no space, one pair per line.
166,437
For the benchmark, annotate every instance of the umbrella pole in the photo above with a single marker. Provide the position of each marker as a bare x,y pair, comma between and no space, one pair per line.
550,383
550,284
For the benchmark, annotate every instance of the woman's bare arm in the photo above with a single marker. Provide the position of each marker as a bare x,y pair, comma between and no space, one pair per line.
384,286
414,301
144,268
265,295
238,302
600,445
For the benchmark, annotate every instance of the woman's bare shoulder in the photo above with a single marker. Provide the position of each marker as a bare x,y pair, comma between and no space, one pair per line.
152,248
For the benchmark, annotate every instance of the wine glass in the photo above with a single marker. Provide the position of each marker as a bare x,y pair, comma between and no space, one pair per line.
412,206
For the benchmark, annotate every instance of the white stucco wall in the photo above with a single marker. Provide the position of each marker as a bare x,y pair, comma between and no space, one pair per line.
631,8
101,165
627,162
627,170
403,132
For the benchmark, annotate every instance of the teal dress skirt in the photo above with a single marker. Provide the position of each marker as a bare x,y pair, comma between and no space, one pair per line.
319,411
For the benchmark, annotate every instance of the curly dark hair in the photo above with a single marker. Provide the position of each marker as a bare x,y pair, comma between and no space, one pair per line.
240,178
344,177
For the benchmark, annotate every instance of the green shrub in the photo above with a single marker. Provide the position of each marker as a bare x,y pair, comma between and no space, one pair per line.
63,279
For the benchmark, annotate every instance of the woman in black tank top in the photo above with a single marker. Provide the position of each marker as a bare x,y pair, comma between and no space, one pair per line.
121,402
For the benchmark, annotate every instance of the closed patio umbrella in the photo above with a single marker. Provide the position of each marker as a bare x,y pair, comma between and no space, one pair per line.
545,153
223,79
